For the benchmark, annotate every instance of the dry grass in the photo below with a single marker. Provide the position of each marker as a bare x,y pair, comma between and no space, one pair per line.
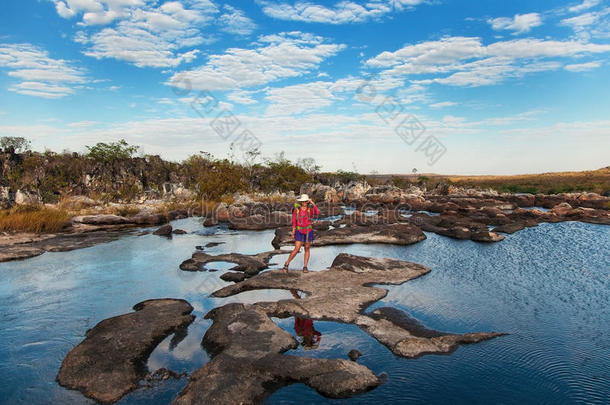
595,181
123,210
28,218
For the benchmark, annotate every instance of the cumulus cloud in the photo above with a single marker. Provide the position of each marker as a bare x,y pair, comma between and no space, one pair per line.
586,4
465,61
234,21
342,12
591,24
40,75
520,23
274,57
139,32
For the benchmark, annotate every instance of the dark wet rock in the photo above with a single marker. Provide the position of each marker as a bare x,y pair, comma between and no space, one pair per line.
321,225
509,228
179,232
142,233
406,337
259,222
247,264
165,230
210,221
398,234
354,354
352,278
486,236
520,200
459,226
233,276
163,374
177,214
247,363
548,201
213,244
112,359
199,247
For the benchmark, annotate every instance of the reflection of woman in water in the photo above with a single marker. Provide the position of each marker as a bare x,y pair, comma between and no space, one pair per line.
305,329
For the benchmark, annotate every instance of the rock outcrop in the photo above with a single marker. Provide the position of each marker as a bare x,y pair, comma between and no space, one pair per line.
248,364
351,278
397,234
111,360
250,265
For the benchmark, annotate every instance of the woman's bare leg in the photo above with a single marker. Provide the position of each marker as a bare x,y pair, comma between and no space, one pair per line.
306,259
297,247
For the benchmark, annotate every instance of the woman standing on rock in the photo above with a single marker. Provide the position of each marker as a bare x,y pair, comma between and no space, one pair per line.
302,231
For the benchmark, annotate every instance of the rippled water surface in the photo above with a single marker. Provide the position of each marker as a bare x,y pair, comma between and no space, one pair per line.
548,286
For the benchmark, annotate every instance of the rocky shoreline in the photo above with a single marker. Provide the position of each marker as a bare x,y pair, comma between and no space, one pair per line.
356,213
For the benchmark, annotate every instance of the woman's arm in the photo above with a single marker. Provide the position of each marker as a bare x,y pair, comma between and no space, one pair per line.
294,221
314,210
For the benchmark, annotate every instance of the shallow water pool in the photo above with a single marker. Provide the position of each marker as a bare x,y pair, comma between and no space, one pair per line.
548,286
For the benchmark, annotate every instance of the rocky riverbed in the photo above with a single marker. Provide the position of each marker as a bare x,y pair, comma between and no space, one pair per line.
247,347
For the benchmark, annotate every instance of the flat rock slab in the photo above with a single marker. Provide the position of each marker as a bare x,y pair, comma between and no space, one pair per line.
406,337
250,265
351,278
55,243
397,234
111,360
248,364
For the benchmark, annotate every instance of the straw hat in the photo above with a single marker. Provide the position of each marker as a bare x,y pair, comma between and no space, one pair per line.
303,198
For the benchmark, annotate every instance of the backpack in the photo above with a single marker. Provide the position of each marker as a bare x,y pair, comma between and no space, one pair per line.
297,207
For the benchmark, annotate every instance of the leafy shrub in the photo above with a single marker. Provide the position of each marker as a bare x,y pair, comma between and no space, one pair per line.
108,152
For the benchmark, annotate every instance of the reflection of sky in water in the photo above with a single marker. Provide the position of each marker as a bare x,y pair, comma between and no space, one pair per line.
548,286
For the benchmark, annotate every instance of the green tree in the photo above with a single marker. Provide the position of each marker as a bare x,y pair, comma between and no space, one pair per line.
108,152
17,143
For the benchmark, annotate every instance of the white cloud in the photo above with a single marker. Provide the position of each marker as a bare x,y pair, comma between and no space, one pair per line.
234,21
582,67
96,11
140,33
342,12
300,98
242,97
41,75
586,4
592,24
580,21
275,57
520,23
443,104
462,61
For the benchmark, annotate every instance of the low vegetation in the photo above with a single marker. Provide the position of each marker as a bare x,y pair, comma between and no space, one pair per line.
594,181
29,218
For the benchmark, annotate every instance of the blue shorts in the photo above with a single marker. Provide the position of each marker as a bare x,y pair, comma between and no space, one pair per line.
303,237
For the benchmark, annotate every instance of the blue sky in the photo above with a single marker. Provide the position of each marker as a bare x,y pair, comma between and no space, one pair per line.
445,86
